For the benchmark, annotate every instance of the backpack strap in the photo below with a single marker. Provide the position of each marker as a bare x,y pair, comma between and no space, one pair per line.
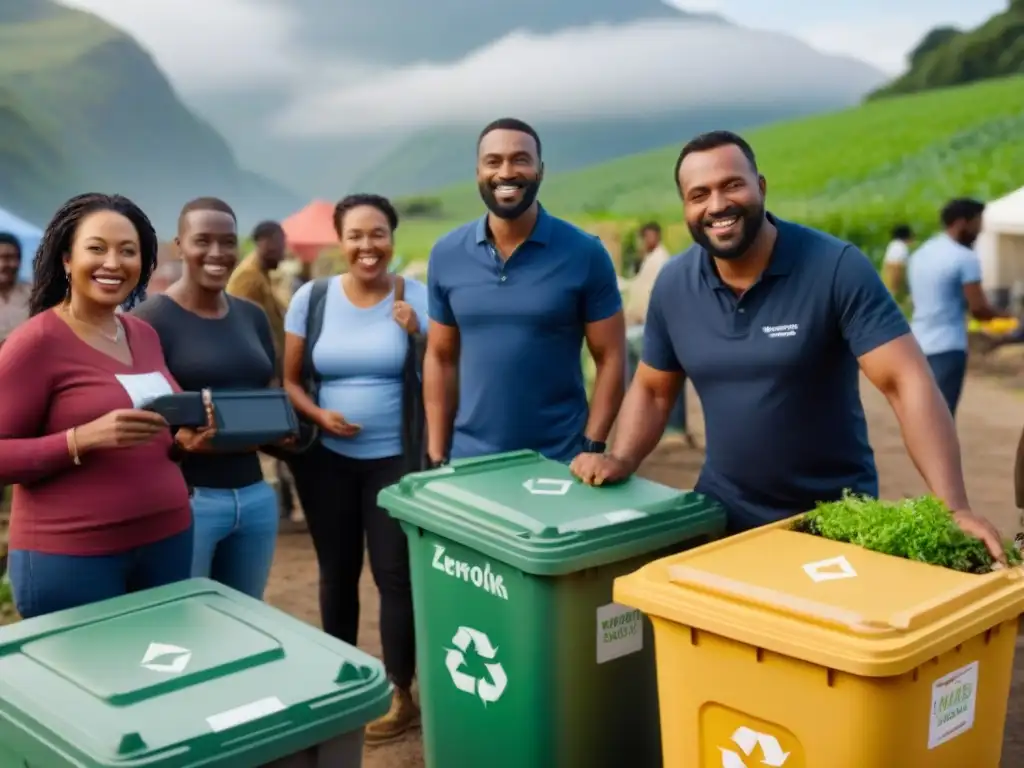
314,327
399,288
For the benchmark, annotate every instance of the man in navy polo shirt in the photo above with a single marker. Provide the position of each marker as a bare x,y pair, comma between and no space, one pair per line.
773,322
512,297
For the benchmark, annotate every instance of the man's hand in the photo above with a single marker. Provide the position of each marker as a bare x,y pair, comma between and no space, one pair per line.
980,528
600,468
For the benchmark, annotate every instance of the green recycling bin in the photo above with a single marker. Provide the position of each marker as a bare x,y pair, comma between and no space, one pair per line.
524,660
188,675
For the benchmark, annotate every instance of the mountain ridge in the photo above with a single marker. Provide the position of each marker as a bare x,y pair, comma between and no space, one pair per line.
116,120
948,56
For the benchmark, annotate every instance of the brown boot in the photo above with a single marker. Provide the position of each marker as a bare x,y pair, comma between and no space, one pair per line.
404,715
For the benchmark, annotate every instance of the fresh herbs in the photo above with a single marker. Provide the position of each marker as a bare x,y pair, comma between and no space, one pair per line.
918,529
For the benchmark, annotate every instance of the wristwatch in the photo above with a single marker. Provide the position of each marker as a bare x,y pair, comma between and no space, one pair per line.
592,446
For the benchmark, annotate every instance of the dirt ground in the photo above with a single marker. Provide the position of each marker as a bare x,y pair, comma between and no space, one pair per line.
990,419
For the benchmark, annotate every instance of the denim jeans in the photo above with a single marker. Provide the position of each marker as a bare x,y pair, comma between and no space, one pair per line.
235,535
43,583
949,369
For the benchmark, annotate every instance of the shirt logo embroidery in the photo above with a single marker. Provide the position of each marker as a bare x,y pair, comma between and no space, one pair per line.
780,331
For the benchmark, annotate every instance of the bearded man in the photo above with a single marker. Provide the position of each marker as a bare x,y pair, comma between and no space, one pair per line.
774,323
512,298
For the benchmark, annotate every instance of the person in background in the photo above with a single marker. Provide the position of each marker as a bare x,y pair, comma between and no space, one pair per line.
944,276
216,341
14,294
655,257
775,323
359,360
894,263
251,280
513,296
100,508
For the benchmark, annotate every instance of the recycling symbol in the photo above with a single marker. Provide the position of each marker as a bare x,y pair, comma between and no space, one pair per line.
487,690
747,739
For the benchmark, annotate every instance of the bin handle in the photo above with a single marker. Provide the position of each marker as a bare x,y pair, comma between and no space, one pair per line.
685,575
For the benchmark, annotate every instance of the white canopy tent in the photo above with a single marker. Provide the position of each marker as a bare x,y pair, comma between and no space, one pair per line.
1001,245
28,234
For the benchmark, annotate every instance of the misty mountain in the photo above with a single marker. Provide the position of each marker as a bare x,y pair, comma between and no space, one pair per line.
397,32
79,90
373,130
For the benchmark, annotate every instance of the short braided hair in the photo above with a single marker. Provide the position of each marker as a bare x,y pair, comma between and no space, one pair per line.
49,280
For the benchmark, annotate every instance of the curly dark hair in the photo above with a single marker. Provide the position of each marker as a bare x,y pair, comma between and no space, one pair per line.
50,286
382,204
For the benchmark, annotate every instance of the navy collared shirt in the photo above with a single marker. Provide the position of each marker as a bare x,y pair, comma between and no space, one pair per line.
521,326
776,370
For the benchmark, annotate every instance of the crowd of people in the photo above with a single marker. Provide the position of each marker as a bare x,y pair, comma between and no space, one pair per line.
771,321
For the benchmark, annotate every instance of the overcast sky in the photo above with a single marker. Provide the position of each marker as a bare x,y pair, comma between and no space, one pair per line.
242,44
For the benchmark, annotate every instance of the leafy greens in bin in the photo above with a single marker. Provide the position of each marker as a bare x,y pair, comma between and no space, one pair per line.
917,529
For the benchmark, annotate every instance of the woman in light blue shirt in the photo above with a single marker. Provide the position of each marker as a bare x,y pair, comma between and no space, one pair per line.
359,359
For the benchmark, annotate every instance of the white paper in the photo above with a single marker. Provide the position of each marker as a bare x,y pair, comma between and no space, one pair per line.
144,388
954,699
620,632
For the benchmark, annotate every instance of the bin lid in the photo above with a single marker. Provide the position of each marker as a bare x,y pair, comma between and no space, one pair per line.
188,674
830,603
531,513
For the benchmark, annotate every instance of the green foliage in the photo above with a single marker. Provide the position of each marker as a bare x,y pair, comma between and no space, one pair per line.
917,529
853,173
949,57
419,207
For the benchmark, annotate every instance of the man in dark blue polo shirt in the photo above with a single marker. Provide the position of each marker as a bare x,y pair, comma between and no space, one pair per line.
773,322
513,295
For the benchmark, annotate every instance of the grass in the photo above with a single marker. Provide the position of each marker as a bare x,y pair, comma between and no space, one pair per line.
52,42
854,173
919,529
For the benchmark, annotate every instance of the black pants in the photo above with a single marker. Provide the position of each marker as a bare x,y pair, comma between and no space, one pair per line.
340,498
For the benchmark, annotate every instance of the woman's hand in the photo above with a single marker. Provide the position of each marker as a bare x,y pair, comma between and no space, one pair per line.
122,428
405,316
334,423
198,440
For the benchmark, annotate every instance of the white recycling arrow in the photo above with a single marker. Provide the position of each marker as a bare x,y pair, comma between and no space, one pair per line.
180,658
489,691
546,486
747,739
464,682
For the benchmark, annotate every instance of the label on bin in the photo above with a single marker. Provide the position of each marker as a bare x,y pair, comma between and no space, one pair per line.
954,698
620,632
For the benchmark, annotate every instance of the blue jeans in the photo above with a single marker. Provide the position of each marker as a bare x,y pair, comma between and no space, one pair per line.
949,369
43,583
235,535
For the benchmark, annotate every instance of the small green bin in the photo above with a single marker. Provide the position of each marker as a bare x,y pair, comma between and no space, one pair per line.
524,660
188,675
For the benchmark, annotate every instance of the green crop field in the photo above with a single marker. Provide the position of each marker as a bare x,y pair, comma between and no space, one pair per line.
854,173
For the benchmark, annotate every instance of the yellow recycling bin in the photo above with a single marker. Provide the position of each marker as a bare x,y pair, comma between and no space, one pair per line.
783,649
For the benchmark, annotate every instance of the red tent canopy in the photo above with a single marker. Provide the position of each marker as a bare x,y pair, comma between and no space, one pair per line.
311,230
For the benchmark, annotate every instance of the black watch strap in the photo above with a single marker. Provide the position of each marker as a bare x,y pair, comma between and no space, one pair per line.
593,446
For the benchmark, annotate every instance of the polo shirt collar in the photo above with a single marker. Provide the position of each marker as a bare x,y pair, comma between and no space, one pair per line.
541,233
780,263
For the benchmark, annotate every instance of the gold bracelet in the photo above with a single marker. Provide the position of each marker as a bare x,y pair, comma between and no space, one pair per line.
73,446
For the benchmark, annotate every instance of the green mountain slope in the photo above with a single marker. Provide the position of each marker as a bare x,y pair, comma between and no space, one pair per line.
102,103
948,56
854,173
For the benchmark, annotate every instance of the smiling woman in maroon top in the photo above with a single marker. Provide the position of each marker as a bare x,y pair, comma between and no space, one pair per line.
99,507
